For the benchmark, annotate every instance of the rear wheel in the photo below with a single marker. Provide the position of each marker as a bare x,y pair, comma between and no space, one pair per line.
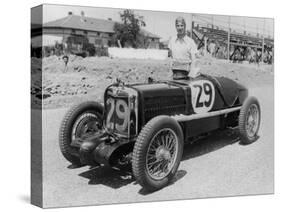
249,120
80,121
157,153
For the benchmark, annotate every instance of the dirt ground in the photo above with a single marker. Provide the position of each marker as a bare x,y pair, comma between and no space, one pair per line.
86,78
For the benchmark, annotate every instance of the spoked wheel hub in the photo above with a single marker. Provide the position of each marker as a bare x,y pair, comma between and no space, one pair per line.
163,153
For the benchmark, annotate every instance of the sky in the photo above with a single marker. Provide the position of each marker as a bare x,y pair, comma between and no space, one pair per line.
163,23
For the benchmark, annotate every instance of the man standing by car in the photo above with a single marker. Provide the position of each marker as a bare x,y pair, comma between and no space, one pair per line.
183,51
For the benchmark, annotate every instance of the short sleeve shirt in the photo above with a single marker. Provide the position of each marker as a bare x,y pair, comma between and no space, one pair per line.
182,51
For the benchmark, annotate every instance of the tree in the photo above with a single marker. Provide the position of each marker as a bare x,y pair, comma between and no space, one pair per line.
128,32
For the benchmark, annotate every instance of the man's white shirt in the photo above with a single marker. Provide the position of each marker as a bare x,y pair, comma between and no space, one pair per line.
183,52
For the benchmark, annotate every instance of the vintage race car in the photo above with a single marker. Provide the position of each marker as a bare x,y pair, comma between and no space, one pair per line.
147,124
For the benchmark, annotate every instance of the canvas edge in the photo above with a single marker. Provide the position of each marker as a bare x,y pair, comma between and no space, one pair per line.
36,192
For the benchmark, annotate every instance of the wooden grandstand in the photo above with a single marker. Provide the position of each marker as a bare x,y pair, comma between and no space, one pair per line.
232,40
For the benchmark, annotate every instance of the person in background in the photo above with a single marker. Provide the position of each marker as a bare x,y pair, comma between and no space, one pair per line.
65,60
183,51
212,48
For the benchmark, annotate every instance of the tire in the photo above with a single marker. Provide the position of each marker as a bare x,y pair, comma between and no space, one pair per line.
157,128
250,112
72,125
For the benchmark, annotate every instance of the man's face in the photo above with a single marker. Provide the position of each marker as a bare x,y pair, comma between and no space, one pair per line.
180,26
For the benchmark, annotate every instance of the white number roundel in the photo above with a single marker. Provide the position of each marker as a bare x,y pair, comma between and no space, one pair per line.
202,96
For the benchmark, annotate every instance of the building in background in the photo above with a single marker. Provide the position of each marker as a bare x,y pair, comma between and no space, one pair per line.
80,34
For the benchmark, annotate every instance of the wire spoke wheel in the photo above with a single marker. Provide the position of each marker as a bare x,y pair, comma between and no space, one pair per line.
252,120
249,120
157,152
161,154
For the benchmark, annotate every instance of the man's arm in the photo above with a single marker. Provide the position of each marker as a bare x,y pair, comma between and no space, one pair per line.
170,53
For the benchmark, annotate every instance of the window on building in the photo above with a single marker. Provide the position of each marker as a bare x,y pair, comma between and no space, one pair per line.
73,31
85,32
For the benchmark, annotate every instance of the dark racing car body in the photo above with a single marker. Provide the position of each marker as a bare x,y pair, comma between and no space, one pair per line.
177,99
148,123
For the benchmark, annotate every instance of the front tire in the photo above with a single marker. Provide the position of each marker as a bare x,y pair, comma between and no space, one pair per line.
80,121
157,153
249,120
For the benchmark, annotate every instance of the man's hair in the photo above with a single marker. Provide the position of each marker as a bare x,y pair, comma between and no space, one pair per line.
180,19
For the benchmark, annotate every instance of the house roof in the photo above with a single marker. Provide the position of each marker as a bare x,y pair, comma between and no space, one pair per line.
83,23
89,24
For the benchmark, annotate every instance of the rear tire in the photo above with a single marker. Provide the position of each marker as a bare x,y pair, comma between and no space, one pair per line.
249,120
157,153
79,120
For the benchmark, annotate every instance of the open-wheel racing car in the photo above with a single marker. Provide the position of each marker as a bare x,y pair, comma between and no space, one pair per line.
147,124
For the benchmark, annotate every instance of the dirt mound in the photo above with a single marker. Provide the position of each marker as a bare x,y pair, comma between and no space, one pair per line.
87,78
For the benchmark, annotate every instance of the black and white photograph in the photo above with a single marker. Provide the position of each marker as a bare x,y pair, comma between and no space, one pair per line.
133,105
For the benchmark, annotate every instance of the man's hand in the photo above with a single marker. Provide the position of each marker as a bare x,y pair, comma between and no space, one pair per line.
170,53
194,72
194,69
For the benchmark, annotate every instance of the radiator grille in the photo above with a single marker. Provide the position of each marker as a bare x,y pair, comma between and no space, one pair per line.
154,106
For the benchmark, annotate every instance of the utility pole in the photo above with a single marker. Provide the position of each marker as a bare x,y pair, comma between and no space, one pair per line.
228,39
205,46
244,25
262,49
191,26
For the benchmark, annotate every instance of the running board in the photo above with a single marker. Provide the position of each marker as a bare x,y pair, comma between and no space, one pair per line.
183,117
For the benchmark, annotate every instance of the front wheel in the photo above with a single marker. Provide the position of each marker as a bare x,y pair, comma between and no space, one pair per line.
80,121
249,120
157,153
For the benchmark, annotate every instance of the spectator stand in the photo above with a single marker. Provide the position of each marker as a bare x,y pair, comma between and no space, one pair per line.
226,43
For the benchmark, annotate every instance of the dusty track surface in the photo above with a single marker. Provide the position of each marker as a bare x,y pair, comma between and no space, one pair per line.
215,166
